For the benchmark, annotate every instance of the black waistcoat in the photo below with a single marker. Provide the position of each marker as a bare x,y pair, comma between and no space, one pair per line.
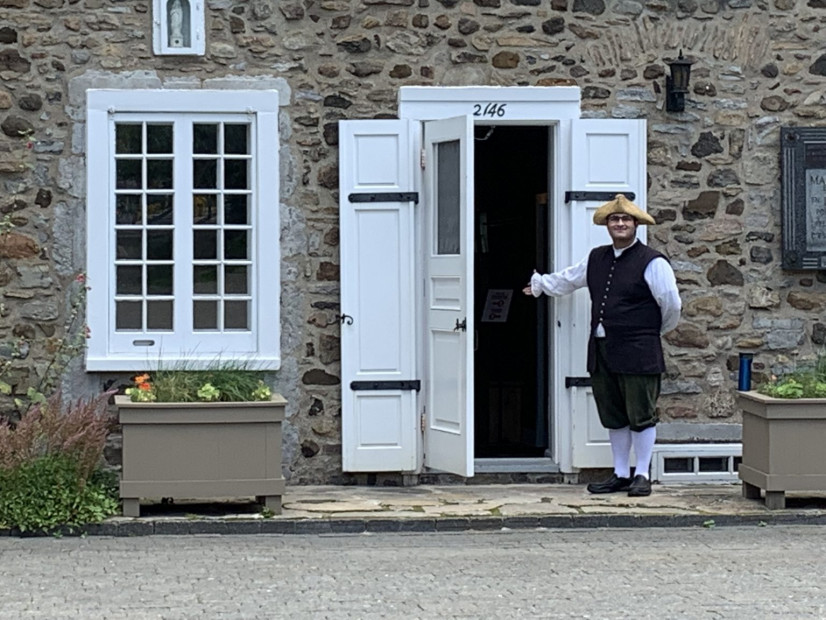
622,301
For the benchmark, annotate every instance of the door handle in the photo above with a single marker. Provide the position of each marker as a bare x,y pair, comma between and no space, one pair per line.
461,326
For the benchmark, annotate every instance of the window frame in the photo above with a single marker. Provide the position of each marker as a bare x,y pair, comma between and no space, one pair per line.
160,30
182,347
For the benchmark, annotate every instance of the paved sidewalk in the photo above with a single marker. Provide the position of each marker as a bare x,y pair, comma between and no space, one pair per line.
354,509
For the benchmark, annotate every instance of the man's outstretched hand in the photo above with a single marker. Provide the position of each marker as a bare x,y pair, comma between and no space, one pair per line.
527,290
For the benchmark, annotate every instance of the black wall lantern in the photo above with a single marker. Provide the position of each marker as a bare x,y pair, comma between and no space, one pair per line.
676,85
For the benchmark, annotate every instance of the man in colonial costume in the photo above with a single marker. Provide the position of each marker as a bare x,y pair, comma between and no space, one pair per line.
634,300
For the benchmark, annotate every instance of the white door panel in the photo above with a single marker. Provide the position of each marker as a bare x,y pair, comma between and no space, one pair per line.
448,395
449,294
378,261
378,333
607,155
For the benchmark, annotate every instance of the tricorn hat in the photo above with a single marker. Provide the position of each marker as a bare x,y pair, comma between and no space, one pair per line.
621,204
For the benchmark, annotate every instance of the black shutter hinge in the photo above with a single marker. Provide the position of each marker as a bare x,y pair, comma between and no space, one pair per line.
596,196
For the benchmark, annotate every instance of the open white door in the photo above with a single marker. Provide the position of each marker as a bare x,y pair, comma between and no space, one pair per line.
449,249
378,328
607,155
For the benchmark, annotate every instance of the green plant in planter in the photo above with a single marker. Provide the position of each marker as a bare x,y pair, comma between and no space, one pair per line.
224,383
808,381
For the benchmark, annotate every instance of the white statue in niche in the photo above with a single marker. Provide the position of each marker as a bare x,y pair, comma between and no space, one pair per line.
176,24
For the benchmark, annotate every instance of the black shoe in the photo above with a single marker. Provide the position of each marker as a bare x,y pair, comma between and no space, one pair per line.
640,487
614,484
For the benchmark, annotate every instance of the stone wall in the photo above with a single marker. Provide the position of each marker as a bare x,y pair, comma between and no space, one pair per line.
713,170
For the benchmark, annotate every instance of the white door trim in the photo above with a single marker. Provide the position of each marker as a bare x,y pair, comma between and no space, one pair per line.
487,105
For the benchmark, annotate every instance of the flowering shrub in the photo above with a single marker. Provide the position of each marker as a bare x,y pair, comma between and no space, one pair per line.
50,465
221,384
51,460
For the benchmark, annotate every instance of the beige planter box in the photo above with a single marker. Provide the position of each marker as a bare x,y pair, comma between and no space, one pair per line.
201,451
783,446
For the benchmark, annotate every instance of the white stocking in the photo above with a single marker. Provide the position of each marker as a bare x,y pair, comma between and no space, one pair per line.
621,449
643,447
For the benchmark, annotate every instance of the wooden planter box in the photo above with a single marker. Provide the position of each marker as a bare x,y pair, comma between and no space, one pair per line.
201,451
783,446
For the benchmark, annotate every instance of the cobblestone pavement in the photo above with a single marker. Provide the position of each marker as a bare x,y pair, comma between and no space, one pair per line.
748,572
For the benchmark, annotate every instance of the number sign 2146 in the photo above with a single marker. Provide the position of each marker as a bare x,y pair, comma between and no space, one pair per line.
489,109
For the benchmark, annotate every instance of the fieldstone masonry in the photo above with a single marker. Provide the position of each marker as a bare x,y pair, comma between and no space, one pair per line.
713,170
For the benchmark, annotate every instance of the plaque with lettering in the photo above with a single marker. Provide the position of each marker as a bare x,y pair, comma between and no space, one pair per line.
803,203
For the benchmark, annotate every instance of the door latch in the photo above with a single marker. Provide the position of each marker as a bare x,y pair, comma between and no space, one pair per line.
461,326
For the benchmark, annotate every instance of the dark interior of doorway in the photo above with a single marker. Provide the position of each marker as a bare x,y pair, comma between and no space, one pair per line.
511,359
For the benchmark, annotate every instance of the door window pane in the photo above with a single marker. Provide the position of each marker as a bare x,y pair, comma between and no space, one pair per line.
205,173
205,138
159,209
236,244
205,279
129,280
129,174
205,314
159,279
158,138
129,245
128,315
235,174
236,281
206,244
205,208
128,209
235,209
128,139
235,315
159,245
236,141
447,198
159,173
159,314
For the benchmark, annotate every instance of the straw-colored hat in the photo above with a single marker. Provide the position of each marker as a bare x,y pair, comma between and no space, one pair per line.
621,204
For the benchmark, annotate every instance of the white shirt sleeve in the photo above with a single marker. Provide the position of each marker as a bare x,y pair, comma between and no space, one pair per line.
663,284
562,282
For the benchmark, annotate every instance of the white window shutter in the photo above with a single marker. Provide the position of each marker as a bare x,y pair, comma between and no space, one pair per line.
378,331
607,155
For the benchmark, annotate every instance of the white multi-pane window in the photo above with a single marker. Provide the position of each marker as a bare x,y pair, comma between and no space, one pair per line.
183,234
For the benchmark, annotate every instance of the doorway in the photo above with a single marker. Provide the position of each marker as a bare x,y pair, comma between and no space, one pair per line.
512,164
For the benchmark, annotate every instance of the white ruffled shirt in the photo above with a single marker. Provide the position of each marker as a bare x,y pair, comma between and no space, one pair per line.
658,275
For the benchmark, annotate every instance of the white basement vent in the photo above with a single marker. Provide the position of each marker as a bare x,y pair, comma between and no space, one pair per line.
698,463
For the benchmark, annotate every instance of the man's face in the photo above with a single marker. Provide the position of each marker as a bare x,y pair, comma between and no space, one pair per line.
622,228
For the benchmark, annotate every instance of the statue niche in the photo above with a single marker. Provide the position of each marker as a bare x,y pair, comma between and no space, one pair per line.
179,20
